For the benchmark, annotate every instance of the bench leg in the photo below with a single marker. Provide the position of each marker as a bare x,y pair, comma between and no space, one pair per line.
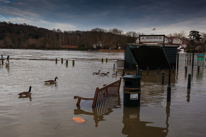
78,102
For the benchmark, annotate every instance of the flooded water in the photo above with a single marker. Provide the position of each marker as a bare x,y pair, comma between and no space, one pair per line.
50,110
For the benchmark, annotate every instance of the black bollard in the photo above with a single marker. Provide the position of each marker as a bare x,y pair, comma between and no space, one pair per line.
102,60
163,76
189,81
141,73
56,60
66,62
72,62
137,71
106,60
173,69
193,58
185,69
157,71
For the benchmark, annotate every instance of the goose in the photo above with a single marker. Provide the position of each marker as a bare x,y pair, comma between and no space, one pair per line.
96,73
26,93
119,73
128,74
104,74
115,74
51,81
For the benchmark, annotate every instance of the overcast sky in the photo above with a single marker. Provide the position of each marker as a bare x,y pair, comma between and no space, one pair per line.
140,16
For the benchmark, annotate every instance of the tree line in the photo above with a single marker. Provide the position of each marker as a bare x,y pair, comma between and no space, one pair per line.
194,39
27,36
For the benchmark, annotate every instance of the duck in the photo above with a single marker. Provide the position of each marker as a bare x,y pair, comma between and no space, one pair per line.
51,81
114,74
96,73
104,74
26,93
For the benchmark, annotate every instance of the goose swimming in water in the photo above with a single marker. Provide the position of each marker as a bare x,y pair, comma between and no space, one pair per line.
104,74
96,73
51,81
114,74
26,93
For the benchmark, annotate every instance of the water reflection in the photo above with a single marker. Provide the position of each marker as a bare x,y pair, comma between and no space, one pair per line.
188,95
29,97
133,126
7,68
102,109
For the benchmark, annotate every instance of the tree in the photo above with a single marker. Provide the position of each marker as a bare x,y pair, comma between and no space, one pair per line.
195,36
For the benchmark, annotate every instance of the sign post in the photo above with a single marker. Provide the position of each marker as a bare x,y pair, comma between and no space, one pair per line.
200,57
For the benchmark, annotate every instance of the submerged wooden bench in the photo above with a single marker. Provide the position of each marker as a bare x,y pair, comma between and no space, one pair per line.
102,94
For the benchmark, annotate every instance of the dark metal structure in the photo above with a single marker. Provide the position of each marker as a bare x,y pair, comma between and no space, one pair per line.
155,57
130,63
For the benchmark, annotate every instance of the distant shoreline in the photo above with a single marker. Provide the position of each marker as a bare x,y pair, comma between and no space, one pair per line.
99,50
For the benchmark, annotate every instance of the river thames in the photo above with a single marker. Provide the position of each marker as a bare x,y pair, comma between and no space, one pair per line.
50,110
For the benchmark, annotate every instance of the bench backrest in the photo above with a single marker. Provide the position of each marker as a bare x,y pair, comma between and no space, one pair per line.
103,93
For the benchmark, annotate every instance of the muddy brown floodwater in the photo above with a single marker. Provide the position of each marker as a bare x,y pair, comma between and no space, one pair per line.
50,110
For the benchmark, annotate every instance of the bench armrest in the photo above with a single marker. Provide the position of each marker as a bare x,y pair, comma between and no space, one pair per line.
80,98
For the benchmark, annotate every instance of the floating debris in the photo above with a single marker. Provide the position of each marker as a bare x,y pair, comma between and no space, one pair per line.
78,120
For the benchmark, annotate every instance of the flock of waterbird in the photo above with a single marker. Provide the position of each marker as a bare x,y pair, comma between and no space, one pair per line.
106,74
27,93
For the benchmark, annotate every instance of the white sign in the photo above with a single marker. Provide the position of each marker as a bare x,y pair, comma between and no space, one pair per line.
133,96
151,38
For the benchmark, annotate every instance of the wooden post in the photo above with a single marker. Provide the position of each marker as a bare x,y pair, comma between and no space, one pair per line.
62,60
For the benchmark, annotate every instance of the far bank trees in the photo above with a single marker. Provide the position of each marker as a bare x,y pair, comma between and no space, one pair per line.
26,36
